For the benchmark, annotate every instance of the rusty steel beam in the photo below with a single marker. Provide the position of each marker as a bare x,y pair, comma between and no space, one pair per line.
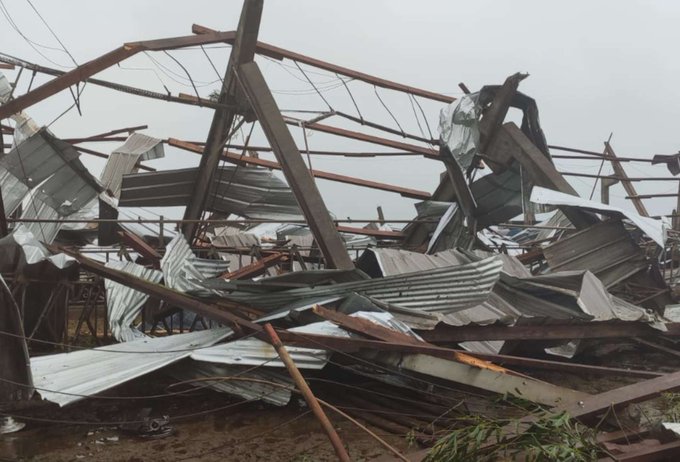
427,152
627,185
306,392
454,334
256,268
242,52
618,397
140,246
105,134
116,86
166,294
248,160
102,62
281,53
294,168
510,142
371,232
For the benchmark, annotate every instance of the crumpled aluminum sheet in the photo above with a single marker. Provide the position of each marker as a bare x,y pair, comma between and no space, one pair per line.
65,378
653,228
124,303
459,128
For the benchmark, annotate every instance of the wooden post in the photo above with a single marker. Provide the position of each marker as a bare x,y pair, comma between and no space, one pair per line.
313,404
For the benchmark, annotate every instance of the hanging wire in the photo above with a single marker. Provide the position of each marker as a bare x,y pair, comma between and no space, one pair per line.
185,71
330,108
422,112
53,33
415,114
375,89
361,117
30,42
219,76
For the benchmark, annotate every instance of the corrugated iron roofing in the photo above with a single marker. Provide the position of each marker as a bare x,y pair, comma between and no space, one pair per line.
183,271
69,377
246,191
124,303
123,160
441,290
255,352
606,249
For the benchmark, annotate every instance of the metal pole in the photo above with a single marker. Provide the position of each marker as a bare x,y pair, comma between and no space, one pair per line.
313,404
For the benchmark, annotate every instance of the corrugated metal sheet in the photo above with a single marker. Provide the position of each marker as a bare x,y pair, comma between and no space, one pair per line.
653,228
498,197
69,377
122,160
442,290
231,236
605,249
124,303
248,390
181,268
33,161
246,191
397,261
255,352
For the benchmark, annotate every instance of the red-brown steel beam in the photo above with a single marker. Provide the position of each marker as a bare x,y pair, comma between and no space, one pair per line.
248,160
102,62
256,268
281,53
427,152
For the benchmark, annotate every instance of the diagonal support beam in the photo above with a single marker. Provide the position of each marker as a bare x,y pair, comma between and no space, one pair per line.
243,51
294,168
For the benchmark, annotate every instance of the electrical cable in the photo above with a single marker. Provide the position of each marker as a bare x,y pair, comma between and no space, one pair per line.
375,89
30,42
330,108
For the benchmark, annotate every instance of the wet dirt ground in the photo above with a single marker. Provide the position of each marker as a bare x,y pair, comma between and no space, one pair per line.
241,432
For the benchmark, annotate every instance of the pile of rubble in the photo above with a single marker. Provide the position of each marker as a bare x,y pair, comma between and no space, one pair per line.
504,277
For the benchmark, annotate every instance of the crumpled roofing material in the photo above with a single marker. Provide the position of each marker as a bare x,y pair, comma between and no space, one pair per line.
123,160
183,271
125,303
653,228
439,290
69,377
255,352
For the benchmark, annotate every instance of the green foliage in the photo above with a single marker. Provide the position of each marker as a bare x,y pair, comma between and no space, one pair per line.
552,437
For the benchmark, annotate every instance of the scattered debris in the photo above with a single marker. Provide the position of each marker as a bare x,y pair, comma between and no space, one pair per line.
504,282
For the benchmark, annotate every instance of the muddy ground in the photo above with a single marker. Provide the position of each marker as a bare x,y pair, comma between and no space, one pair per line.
240,432
210,426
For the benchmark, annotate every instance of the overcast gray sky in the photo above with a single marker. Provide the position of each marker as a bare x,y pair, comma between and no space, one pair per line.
596,68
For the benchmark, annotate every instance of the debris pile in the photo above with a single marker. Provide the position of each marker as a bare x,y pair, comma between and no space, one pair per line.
503,283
